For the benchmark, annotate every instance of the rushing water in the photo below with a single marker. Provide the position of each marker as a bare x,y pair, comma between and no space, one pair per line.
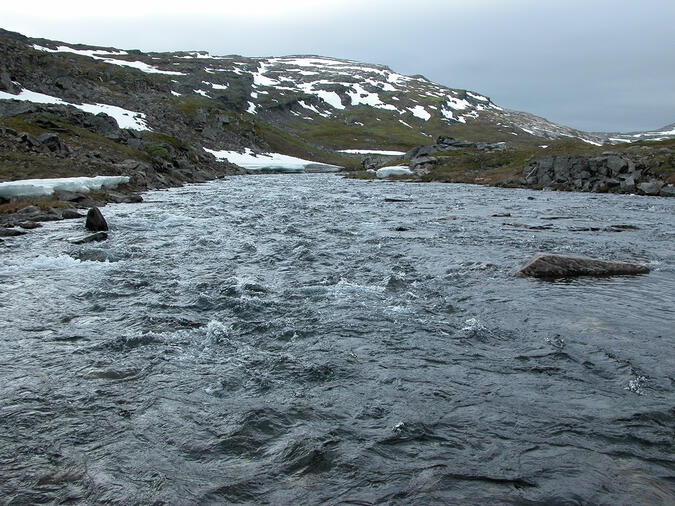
300,339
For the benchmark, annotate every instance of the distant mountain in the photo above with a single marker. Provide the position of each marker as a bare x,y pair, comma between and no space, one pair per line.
667,132
332,102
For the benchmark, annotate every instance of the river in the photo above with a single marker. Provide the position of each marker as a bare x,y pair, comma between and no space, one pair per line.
305,339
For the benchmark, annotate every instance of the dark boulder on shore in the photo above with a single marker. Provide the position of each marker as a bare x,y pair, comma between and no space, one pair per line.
545,265
95,221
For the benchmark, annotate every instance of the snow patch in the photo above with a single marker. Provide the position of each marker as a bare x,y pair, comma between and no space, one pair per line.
420,112
95,54
271,161
215,86
589,141
458,104
32,187
397,170
371,152
359,96
478,97
124,117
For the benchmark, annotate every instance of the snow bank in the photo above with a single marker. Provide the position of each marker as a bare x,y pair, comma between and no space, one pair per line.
420,112
96,55
124,117
270,161
397,170
459,104
371,152
36,187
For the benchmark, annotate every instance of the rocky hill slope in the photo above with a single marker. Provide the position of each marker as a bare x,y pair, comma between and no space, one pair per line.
159,117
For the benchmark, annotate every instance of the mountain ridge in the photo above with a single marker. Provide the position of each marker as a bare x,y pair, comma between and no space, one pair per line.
341,85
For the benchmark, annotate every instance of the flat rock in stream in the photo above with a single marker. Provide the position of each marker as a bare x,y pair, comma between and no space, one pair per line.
10,232
97,237
545,265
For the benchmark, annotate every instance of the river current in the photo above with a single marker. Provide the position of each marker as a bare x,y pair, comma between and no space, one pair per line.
305,339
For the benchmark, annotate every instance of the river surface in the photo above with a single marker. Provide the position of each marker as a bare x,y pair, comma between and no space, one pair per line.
300,339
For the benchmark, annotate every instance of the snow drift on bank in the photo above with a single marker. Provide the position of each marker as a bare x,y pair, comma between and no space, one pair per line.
37,187
397,170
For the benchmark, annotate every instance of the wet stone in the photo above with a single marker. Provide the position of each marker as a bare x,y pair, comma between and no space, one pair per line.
544,265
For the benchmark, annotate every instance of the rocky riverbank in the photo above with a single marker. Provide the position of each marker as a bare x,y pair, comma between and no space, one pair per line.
646,168
609,172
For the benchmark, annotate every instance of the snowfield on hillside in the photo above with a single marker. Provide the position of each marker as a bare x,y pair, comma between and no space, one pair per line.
124,117
267,161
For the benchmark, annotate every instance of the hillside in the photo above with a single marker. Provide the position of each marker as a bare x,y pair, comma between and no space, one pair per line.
165,114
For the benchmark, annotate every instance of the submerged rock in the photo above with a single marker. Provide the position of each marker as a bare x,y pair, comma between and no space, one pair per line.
10,232
97,237
95,220
545,265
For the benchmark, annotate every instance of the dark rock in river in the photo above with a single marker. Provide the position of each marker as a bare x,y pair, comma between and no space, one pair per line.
97,237
545,265
95,220
10,232
70,214
29,225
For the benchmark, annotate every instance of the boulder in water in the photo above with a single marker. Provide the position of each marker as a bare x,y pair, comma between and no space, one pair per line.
95,221
10,232
545,265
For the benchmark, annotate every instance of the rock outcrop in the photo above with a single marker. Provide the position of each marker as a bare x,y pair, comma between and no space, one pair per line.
421,159
546,265
610,172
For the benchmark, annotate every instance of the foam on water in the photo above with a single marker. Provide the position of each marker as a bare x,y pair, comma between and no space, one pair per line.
61,263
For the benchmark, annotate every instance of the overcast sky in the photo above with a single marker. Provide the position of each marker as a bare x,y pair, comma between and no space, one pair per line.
596,65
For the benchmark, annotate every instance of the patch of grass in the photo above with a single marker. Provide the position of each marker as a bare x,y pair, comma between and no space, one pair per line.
362,174
287,143
344,135
160,138
45,205
22,125
189,105
665,168
156,150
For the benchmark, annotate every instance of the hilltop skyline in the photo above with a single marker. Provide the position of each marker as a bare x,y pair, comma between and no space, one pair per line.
598,67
